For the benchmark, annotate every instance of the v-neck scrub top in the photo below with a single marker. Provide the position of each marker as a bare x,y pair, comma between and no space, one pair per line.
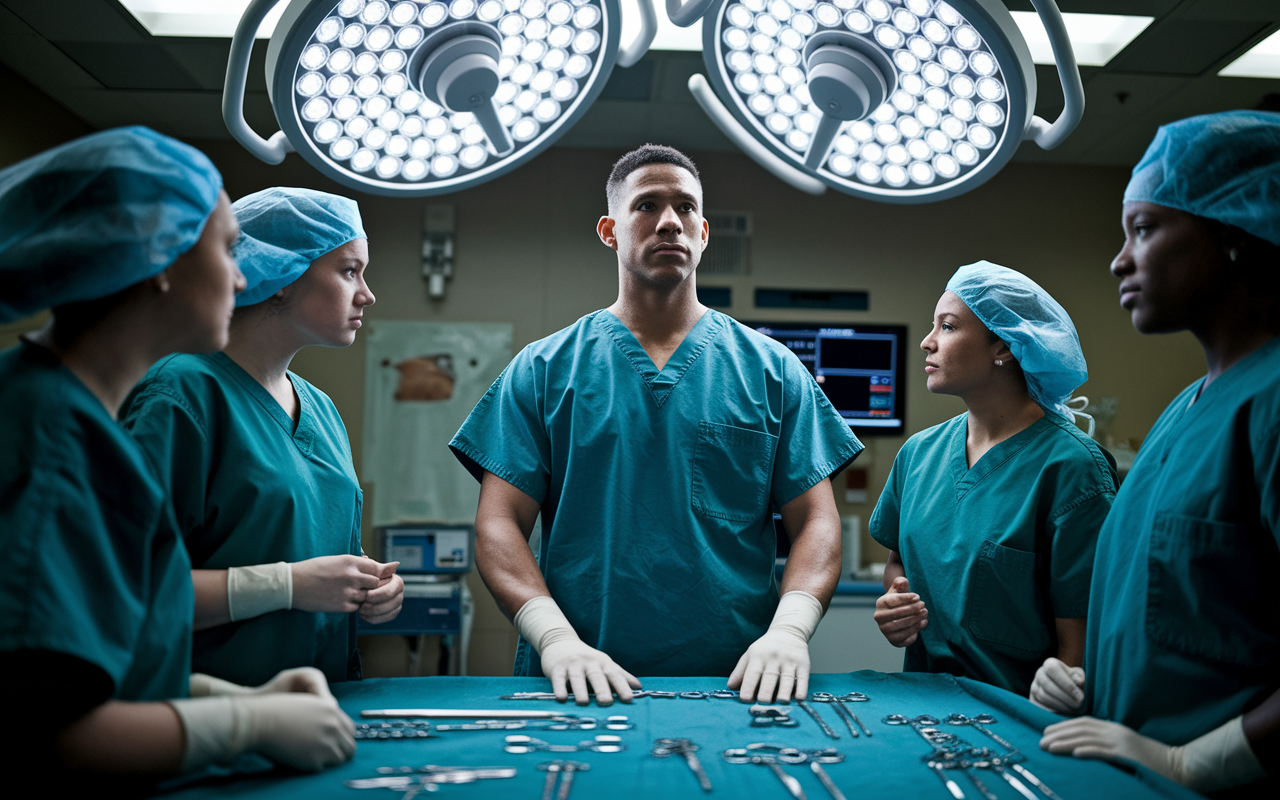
1184,633
93,564
999,550
655,486
249,487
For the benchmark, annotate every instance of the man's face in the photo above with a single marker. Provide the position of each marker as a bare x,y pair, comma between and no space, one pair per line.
657,225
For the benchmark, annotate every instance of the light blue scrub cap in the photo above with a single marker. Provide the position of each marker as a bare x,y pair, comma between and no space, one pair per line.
282,230
1224,167
96,215
1037,329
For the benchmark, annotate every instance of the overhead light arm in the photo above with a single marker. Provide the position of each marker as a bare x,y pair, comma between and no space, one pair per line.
706,97
684,14
629,55
272,150
1045,134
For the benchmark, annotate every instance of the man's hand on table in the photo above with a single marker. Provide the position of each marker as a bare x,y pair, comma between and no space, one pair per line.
776,666
569,662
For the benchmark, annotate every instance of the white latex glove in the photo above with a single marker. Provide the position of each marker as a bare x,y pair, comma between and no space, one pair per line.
298,729
779,660
298,679
568,661
337,584
1058,688
1220,759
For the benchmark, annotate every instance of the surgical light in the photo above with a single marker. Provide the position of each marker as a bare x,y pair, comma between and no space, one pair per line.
901,101
411,98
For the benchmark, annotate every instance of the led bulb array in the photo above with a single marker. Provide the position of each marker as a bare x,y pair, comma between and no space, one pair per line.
949,111
357,102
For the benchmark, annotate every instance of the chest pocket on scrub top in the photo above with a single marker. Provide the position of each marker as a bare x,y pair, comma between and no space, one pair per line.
731,471
1003,608
1193,566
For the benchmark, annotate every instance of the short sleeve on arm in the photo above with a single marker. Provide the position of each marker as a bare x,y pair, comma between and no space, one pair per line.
175,440
814,443
1074,538
886,517
506,433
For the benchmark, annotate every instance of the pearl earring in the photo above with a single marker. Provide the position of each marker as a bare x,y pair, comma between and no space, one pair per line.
1233,254
999,363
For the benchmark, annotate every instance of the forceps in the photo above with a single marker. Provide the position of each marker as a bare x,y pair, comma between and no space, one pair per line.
771,755
923,725
981,722
769,716
564,770
684,747
518,743
838,700
822,723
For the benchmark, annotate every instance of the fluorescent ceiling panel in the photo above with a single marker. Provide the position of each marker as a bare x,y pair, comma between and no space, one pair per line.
218,18
1095,38
1261,61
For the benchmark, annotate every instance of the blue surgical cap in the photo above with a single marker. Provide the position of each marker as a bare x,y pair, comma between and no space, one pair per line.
1037,329
1224,167
282,230
97,215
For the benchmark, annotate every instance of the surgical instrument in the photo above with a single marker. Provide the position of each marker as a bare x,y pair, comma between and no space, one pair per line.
951,785
1032,779
455,713
771,717
411,782
980,722
844,713
826,781
517,743
686,748
399,729
564,770
822,723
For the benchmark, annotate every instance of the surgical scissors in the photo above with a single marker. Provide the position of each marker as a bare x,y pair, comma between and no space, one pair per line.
923,725
771,717
980,722
822,723
781,754
838,700
686,748
527,744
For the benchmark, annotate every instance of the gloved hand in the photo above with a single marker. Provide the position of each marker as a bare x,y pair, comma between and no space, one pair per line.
337,584
1058,688
298,679
383,603
1220,759
901,614
299,729
569,662
776,665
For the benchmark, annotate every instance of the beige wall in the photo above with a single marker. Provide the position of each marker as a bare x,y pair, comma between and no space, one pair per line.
526,253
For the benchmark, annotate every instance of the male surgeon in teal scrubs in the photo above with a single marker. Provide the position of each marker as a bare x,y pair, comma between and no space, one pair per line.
1182,659
654,436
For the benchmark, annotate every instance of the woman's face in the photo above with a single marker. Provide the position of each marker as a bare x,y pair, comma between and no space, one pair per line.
203,283
1170,268
328,301
959,352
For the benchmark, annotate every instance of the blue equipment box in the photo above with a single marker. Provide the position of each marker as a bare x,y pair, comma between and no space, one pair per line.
428,549
430,607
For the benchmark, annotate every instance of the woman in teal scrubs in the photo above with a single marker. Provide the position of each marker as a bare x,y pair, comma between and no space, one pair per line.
127,235
257,459
992,517
1183,653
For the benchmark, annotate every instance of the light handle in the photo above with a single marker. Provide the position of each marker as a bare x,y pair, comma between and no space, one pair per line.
686,13
1050,135
272,150
725,121
629,55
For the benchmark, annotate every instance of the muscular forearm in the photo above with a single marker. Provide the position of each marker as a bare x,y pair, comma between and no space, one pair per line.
813,524
1262,729
504,521
124,739
893,569
212,608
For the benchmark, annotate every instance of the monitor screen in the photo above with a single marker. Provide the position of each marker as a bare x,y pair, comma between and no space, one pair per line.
861,369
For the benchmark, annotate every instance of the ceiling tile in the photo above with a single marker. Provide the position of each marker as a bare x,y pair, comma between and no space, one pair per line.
1124,96
103,108
186,115
205,60
1139,8
78,20
1186,47
1230,9
129,66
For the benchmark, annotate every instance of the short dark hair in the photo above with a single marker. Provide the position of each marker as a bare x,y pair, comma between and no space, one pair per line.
643,156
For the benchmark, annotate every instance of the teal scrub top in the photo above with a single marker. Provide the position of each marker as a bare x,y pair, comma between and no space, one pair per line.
250,487
999,551
93,565
1184,621
655,486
